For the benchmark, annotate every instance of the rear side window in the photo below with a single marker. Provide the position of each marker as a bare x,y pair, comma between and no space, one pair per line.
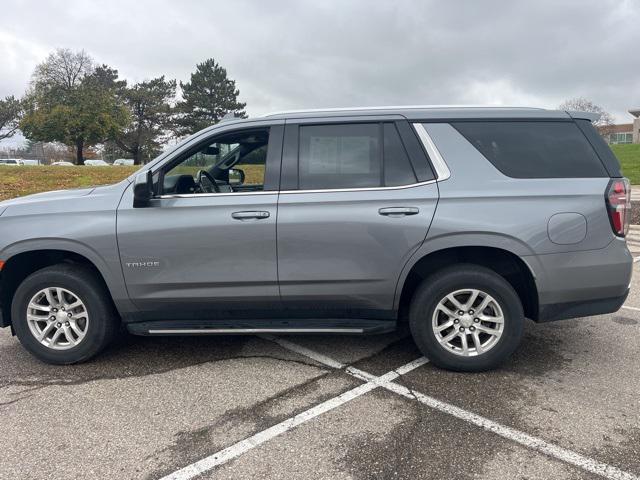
397,167
534,149
340,156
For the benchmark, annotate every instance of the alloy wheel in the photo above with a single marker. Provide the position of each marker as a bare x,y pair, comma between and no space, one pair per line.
468,322
57,318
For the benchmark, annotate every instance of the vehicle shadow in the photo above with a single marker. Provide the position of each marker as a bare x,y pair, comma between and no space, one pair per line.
544,349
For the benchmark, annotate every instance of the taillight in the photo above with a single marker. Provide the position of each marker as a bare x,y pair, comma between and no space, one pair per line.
618,198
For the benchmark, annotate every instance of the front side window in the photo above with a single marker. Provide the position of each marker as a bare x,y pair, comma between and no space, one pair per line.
234,162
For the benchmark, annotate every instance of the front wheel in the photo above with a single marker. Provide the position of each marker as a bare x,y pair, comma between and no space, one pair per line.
466,318
62,314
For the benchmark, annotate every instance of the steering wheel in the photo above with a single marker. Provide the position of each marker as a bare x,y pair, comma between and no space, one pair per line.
201,176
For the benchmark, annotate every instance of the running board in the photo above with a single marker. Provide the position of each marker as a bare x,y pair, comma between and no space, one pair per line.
252,327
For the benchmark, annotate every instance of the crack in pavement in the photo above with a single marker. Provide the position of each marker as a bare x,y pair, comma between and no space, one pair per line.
191,445
534,443
39,384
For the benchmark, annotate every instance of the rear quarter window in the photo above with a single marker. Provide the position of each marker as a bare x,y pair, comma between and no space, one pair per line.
534,149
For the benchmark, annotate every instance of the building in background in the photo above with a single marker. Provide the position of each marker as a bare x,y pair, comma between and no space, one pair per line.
625,132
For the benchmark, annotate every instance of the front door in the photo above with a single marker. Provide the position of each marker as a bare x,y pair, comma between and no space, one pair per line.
358,205
206,245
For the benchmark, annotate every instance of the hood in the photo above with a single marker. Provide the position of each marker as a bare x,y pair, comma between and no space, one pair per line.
105,197
44,196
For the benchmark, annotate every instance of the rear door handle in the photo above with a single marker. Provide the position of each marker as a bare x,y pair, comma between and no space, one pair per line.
398,211
250,215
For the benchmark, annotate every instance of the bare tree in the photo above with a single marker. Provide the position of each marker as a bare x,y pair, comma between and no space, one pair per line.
73,102
63,69
581,104
10,113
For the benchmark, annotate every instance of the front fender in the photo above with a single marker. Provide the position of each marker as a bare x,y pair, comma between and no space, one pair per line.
108,265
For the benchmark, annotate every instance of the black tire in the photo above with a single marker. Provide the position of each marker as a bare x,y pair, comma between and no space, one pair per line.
82,281
463,276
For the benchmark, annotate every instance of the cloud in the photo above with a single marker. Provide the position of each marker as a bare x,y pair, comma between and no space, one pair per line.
303,54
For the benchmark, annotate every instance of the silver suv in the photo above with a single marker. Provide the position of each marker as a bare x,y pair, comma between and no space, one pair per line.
461,221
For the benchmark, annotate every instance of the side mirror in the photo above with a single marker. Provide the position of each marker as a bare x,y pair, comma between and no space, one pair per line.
236,176
142,189
211,150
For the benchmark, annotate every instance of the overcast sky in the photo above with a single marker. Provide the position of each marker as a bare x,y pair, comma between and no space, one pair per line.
309,54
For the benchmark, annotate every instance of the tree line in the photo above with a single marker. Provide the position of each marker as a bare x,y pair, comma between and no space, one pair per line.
76,102
71,100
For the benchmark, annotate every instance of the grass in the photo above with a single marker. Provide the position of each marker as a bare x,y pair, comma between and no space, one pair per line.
254,174
629,156
18,181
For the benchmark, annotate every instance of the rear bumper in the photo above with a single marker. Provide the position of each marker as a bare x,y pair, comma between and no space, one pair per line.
586,308
579,284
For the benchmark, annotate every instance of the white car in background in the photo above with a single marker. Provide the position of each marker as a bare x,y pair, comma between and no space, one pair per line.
62,164
123,162
11,161
96,163
31,163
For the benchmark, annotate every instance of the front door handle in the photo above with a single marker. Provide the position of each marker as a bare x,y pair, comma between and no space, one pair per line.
398,211
250,215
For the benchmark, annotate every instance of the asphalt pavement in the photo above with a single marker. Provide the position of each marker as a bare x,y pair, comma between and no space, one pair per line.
567,405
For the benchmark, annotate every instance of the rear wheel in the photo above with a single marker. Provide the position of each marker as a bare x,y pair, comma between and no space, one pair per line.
62,314
466,318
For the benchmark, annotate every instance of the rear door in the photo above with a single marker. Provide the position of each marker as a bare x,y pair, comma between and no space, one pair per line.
357,198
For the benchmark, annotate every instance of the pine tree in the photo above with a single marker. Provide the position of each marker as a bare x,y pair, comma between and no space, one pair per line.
208,97
10,113
149,105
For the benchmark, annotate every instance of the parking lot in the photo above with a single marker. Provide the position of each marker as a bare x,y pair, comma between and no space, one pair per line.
566,406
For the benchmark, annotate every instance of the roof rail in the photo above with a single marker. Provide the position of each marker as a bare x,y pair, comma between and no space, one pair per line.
396,107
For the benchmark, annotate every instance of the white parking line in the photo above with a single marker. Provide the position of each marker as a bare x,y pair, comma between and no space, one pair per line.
305,352
636,309
223,456
386,381
535,443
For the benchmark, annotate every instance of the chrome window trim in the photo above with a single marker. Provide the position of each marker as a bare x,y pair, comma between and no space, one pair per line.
328,190
361,189
199,195
442,173
442,170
